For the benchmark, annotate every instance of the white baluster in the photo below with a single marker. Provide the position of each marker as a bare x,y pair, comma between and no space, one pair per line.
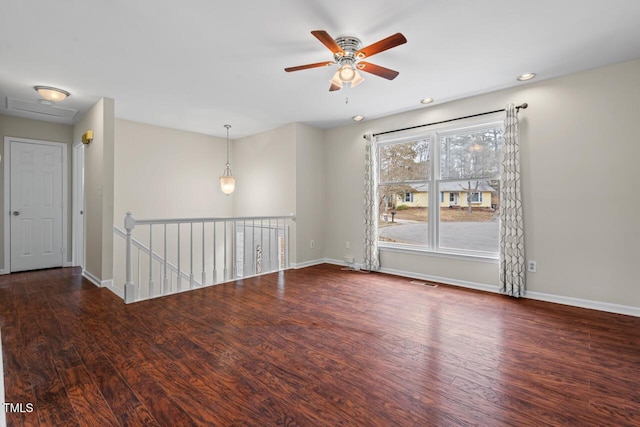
150,260
204,274
214,273
179,274
191,256
165,280
129,286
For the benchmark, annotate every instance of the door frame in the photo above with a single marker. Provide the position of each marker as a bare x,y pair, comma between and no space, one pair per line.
77,219
6,159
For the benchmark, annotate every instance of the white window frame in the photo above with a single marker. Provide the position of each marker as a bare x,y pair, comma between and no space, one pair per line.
478,196
434,136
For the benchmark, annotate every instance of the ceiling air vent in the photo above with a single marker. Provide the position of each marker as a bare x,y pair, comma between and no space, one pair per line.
23,106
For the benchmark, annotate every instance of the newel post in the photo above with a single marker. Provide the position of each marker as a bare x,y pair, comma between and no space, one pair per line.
129,286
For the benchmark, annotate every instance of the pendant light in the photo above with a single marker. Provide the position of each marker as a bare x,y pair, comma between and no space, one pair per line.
227,180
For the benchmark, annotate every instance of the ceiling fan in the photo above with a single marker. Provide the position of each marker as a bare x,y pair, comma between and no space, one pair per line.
348,55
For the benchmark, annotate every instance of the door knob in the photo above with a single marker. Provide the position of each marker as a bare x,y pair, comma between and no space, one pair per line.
15,213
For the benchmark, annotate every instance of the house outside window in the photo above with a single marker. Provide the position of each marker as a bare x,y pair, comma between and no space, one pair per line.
447,182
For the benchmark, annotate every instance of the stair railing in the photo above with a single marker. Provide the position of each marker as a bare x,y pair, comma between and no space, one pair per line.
217,250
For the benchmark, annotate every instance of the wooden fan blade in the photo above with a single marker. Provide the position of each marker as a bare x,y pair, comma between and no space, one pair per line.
334,87
327,40
377,70
306,67
392,41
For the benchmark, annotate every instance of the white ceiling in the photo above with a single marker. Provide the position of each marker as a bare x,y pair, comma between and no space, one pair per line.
198,64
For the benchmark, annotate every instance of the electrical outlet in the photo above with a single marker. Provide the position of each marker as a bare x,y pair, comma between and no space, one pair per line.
347,245
532,266
312,244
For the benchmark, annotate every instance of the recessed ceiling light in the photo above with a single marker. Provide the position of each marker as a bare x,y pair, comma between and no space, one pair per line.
426,100
526,76
357,118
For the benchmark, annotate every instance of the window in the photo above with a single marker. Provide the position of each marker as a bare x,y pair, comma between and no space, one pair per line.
405,168
450,182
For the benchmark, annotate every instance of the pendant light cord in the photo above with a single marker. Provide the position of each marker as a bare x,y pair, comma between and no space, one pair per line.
228,127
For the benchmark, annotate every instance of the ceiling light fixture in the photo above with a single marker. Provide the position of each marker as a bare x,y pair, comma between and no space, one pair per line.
526,76
347,73
227,180
52,94
357,118
426,100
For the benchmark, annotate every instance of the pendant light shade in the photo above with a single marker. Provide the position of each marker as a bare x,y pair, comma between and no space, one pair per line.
227,180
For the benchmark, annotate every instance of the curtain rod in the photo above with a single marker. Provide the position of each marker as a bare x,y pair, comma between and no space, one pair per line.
518,107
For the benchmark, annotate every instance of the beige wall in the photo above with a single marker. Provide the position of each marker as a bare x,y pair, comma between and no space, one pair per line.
44,131
579,143
265,167
279,172
155,166
98,188
310,194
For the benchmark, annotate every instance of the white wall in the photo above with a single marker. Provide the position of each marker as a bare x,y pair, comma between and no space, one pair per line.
579,164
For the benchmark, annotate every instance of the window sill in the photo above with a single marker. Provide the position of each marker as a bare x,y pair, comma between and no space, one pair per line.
405,249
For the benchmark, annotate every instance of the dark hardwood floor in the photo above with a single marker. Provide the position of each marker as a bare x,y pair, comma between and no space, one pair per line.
311,347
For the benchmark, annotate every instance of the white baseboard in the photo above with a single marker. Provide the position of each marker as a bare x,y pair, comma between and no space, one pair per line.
90,277
355,265
4,271
117,291
584,303
444,280
93,279
103,283
558,299
309,263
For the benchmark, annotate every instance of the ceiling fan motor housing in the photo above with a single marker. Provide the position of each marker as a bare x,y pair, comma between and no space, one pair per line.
350,45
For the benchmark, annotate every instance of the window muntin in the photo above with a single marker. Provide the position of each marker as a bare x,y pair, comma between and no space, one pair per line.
463,197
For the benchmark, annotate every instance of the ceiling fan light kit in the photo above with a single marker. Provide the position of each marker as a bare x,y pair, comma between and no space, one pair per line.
348,55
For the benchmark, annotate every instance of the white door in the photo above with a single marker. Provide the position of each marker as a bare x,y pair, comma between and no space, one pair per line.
36,208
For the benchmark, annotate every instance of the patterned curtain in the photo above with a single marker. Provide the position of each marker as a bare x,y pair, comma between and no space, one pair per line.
512,259
371,255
